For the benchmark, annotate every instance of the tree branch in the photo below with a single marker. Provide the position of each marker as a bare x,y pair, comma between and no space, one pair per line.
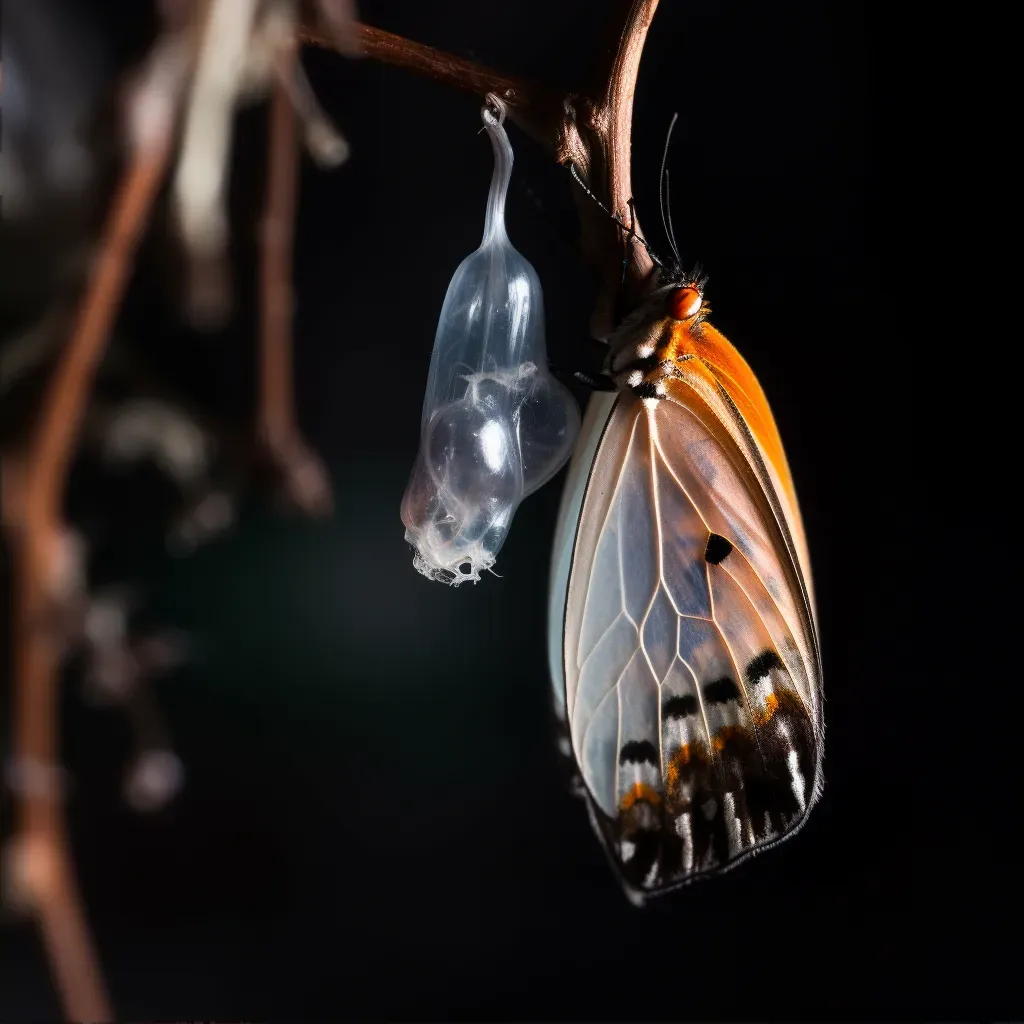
530,107
589,130
607,141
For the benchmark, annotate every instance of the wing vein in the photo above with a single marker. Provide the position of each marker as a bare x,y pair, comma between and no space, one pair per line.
760,576
615,687
736,665
659,540
612,507
700,703
794,566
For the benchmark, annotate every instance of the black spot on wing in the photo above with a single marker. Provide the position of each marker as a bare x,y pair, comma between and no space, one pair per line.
646,389
680,707
639,750
721,690
760,666
718,549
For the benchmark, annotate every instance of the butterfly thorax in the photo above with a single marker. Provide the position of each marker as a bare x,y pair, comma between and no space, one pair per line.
648,347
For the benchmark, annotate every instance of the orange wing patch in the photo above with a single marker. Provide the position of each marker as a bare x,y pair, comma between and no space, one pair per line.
640,791
735,375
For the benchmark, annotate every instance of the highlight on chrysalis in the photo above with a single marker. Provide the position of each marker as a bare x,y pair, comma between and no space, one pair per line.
496,425
682,629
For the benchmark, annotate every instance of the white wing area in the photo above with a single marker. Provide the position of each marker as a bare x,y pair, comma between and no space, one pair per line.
599,408
690,662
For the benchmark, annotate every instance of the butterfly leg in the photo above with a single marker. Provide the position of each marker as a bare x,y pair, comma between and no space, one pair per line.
599,383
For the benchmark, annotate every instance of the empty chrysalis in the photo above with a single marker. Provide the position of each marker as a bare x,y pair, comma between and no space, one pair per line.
496,425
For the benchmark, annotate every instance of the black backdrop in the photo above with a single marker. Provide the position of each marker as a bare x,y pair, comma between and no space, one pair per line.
374,822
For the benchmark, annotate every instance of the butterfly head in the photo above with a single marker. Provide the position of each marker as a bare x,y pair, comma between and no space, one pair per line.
676,298
679,294
684,303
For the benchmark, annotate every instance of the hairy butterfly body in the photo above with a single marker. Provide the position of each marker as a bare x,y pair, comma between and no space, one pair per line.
683,641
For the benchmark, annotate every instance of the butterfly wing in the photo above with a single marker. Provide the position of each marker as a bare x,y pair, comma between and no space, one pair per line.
689,654
595,419
752,415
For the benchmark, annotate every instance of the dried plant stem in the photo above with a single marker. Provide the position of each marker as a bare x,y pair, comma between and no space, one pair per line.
306,481
43,873
277,401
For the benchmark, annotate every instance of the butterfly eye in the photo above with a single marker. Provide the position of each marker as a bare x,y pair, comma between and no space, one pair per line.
683,303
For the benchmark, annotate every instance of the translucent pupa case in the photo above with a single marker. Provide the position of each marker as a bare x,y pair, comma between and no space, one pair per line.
496,424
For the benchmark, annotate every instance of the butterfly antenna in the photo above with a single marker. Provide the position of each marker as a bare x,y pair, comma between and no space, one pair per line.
663,201
671,226
630,231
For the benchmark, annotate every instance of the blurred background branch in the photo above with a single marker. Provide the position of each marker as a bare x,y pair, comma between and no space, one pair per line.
210,56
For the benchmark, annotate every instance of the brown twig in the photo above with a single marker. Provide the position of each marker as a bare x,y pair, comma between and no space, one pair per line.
590,129
524,101
306,482
599,140
41,872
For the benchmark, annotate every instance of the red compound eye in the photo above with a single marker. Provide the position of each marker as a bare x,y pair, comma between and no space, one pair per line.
683,303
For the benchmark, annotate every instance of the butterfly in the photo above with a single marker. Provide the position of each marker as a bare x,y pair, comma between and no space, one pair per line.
683,637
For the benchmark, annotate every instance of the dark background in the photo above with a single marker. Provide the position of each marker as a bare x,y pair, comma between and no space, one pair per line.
375,822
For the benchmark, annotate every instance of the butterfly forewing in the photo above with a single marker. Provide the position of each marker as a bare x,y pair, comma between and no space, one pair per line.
691,671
